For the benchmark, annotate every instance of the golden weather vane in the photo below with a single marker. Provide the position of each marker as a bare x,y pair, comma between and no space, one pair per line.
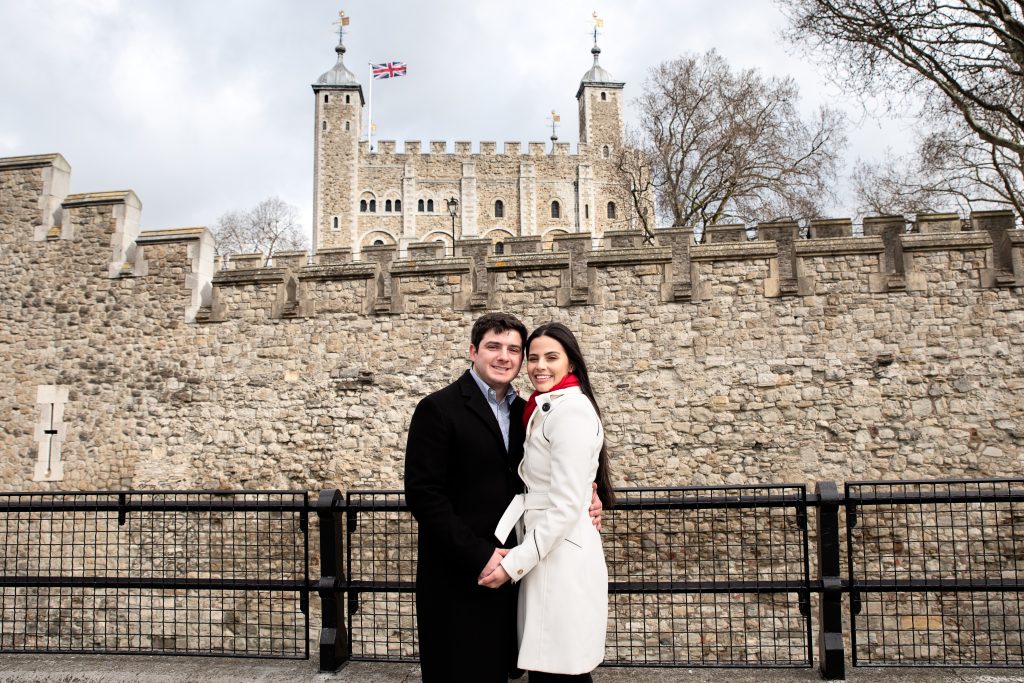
555,118
598,23
341,23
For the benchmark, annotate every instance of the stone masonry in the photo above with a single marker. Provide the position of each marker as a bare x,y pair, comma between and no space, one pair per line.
890,355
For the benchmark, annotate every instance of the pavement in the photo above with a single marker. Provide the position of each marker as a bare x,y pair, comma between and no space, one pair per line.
138,669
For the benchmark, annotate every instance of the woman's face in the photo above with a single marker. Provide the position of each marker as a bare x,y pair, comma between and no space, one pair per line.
546,363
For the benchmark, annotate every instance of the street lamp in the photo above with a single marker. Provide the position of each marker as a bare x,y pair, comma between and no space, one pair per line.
453,210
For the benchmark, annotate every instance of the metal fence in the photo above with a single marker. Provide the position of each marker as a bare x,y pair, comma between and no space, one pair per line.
174,573
927,573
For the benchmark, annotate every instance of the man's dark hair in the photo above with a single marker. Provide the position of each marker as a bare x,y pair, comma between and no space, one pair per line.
496,322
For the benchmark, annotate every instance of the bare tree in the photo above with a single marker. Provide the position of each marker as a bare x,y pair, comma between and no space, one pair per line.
635,170
732,145
269,227
963,58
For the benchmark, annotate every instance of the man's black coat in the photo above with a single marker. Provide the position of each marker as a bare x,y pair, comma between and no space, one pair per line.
458,481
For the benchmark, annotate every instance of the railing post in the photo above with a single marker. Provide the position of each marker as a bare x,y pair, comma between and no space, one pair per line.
832,658
333,638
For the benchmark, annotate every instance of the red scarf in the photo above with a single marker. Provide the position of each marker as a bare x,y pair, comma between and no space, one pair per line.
569,380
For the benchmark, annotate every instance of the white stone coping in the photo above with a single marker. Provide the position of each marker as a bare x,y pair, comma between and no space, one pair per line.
829,246
734,251
947,241
536,261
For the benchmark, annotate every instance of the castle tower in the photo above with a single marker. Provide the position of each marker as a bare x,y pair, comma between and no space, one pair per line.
339,109
600,105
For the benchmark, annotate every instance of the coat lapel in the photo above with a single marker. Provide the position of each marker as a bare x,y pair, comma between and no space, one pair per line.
478,404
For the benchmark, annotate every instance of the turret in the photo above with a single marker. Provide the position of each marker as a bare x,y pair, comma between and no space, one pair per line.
600,104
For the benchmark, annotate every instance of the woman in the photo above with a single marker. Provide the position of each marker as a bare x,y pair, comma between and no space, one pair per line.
563,599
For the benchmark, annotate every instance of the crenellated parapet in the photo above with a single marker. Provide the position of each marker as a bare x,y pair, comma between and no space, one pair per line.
931,254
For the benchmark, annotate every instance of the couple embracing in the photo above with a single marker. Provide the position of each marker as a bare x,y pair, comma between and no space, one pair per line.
508,497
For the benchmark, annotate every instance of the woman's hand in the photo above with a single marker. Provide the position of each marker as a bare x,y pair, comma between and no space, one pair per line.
595,507
495,579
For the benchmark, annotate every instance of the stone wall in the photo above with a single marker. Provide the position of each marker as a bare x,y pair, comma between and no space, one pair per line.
837,357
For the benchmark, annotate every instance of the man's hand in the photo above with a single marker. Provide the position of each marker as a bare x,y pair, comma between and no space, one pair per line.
495,579
595,508
495,561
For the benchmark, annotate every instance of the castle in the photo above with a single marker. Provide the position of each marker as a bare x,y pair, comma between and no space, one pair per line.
129,359
382,197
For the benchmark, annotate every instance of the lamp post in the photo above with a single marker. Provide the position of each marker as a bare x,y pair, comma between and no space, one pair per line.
453,210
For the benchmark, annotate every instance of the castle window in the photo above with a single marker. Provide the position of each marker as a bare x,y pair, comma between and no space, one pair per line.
611,209
347,100
387,205
326,98
604,97
362,206
586,210
499,248
334,224
398,205
419,205
378,243
323,125
556,210
606,152
499,209
430,206
373,206
346,125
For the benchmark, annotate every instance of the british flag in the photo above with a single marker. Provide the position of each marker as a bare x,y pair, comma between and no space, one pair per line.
388,70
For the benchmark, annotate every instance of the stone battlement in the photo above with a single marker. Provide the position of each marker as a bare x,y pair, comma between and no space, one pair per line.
942,251
386,148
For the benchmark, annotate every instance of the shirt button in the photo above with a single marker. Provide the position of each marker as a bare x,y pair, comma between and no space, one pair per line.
519,573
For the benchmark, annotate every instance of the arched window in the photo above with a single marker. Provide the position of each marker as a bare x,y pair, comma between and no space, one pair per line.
604,97
335,223
398,205
378,243
499,248
323,125
362,206
586,210
326,98
347,100
387,205
606,152
499,210
611,209
346,125
556,210
373,206
430,206
419,205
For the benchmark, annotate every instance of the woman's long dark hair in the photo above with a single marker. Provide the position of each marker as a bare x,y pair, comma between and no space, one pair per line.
561,334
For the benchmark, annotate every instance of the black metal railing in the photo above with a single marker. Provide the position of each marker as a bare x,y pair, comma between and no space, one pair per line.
911,573
222,573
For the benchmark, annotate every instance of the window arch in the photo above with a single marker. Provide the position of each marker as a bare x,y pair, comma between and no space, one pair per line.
387,205
398,205
499,248
586,210
378,243
323,125
430,206
373,206
326,98
334,223
499,209
346,125
556,209
611,209
347,100
362,206
419,205
606,152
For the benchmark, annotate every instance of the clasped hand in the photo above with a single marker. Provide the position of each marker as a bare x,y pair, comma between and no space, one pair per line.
493,574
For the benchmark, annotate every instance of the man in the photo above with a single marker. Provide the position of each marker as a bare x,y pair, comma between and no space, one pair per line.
461,460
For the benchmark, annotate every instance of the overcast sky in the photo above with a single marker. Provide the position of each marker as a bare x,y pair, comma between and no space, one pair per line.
204,107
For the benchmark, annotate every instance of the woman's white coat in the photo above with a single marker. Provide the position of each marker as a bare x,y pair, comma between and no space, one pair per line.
563,596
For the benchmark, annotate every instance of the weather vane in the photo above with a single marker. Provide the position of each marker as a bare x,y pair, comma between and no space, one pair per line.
342,22
598,23
555,118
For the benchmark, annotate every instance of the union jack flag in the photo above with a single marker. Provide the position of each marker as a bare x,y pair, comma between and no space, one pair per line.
388,70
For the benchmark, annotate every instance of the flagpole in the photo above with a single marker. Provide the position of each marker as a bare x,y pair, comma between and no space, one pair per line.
369,122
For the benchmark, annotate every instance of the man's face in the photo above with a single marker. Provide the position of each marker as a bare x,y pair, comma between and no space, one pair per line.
498,358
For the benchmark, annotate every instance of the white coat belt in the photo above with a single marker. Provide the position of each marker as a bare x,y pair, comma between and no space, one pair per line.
515,510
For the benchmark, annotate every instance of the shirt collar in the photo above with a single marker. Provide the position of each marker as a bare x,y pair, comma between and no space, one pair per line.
489,393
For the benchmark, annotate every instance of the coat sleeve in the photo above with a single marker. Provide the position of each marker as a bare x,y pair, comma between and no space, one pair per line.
574,434
428,455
